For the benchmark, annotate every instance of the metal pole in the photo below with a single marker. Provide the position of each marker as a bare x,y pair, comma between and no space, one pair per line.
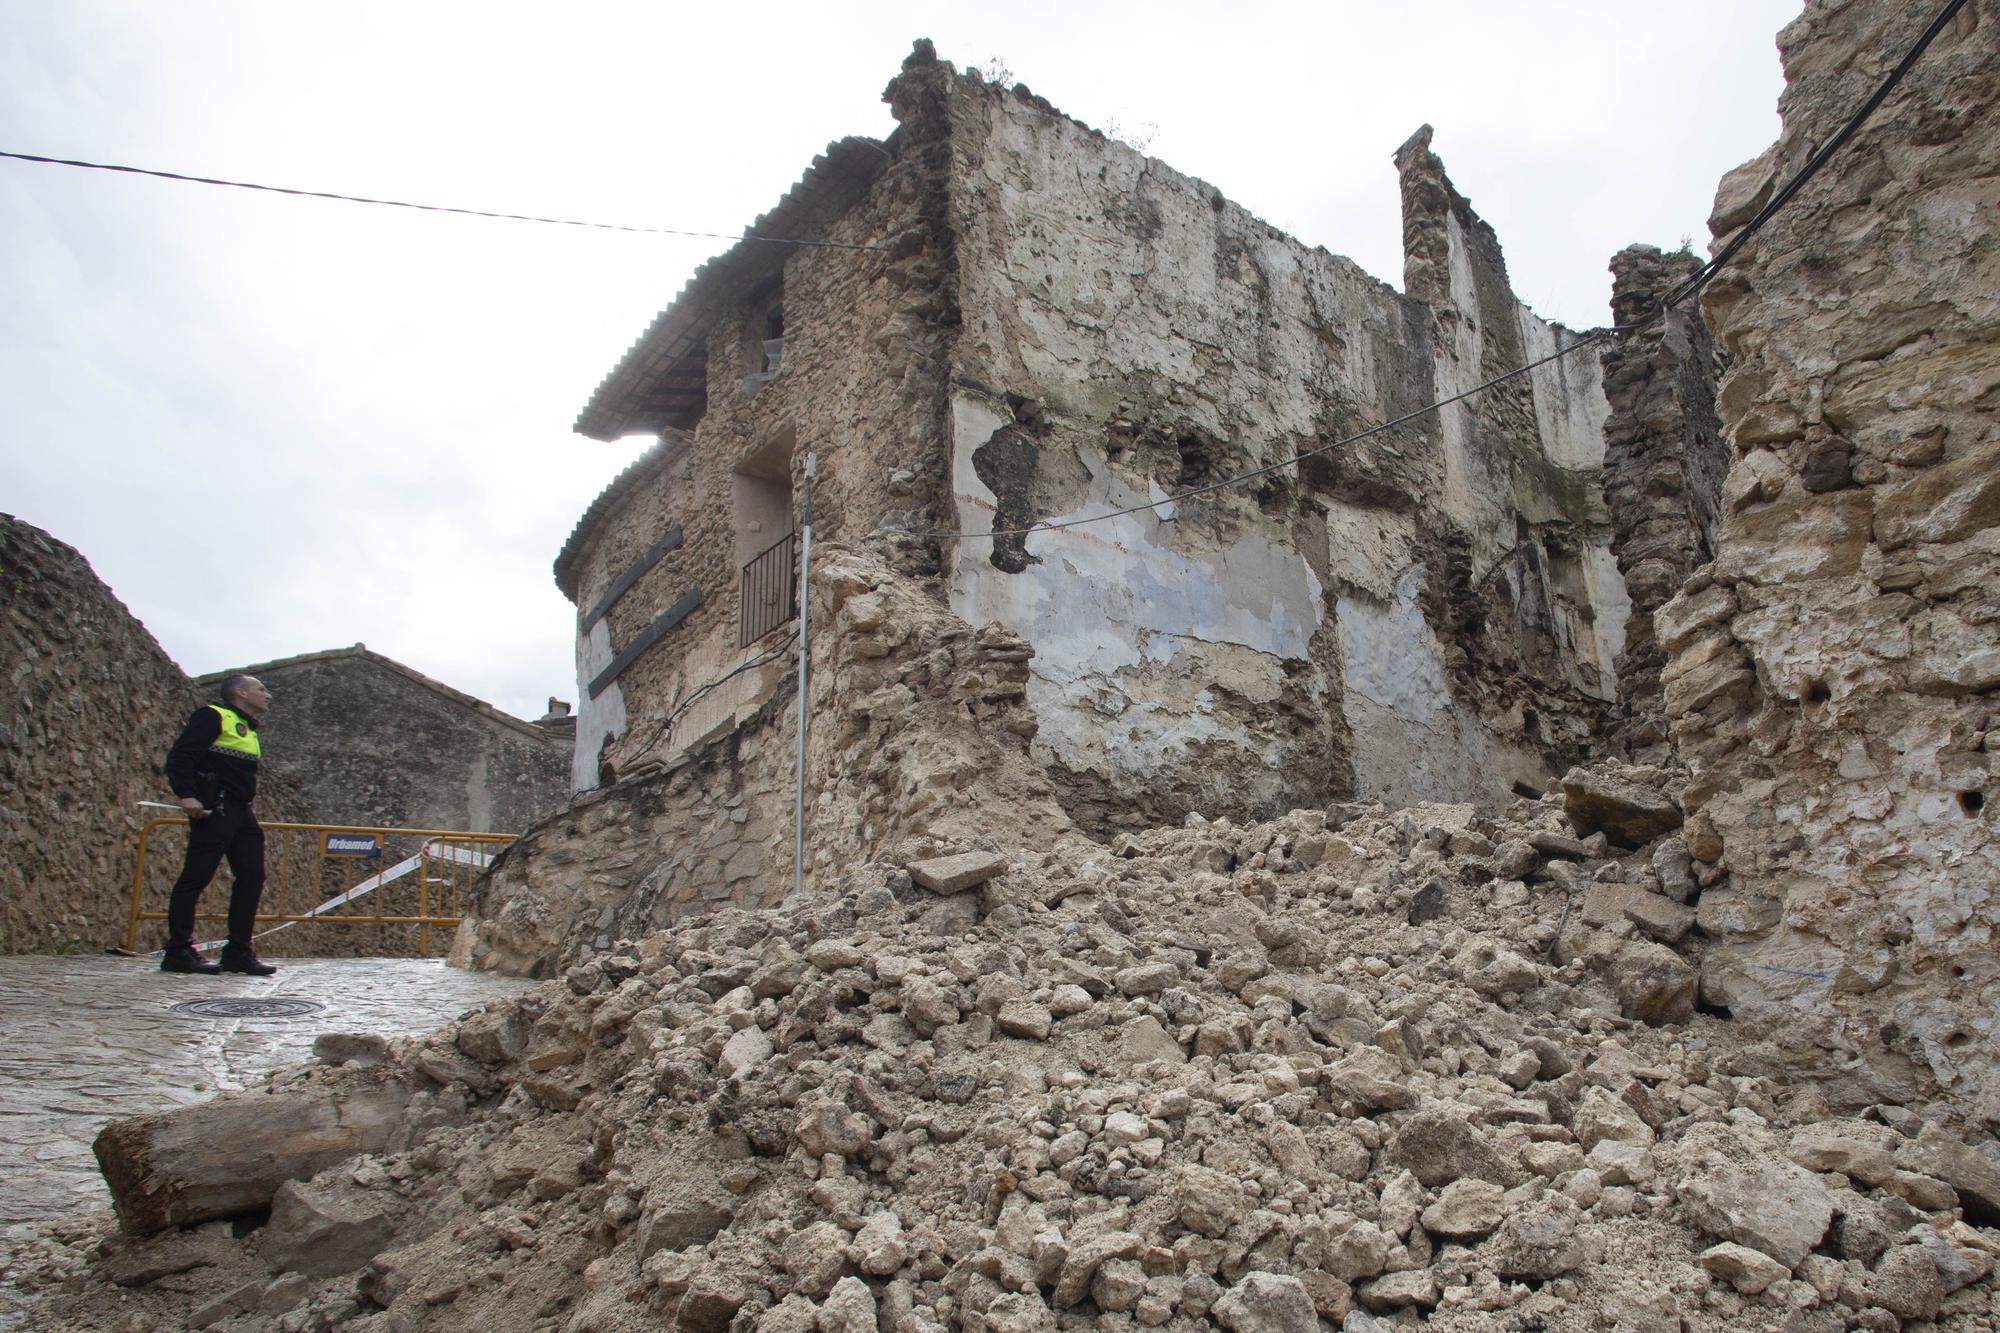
799,796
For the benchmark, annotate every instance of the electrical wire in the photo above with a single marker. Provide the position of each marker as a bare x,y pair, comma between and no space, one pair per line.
1679,293
425,208
667,727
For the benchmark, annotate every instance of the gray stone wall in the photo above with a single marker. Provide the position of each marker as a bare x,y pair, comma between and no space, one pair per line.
859,384
366,741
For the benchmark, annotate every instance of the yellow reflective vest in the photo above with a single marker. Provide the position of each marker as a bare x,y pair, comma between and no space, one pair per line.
237,737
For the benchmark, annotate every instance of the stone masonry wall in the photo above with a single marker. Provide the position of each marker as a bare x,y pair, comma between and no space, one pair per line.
1833,679
365,741
1431,613
92,704
1664,460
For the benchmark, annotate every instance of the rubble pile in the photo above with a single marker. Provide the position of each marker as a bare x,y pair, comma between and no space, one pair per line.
1355,1069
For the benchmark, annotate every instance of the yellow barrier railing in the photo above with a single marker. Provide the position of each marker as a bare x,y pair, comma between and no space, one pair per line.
399,880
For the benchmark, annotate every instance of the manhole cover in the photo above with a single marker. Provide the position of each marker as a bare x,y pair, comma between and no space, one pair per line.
235,1007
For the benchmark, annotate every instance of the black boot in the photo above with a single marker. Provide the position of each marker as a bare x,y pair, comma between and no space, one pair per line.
237,958
183,958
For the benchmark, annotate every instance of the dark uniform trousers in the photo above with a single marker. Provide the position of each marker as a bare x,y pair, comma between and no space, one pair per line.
232,832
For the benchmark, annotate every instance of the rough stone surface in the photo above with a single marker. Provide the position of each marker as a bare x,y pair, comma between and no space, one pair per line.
1831,674
955,874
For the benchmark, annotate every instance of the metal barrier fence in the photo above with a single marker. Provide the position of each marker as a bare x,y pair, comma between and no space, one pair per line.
402,881
770,590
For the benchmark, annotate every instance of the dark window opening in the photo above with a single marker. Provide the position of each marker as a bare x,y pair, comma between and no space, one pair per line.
1972,802
1817,692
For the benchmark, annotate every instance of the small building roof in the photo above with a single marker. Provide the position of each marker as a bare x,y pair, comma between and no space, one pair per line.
360,652
663,380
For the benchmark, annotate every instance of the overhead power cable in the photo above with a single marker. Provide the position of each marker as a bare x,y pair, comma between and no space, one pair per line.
423,208
1693,283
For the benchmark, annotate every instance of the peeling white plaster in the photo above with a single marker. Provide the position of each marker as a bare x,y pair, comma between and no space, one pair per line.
1570,406
1110,599
595,718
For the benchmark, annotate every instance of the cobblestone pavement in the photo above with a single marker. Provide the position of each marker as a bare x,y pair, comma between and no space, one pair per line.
86,1040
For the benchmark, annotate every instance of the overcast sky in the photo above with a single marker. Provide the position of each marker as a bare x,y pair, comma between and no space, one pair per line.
276,426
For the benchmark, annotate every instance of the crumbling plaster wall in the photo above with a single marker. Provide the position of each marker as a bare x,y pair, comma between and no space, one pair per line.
1443,590
1833,674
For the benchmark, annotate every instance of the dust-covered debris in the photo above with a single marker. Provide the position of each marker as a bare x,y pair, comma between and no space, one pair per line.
1207,1076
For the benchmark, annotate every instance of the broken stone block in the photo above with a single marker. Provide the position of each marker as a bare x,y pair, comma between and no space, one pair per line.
361,1049
956,874
744,1053
1143,1040
1654,984
1747,1270
228,1156
1439,1147
1208,1202
324,1229
1736,1191
1660,918
1268,1303
1466,1210
848,1308
1629,812
1025,1018
1535,1244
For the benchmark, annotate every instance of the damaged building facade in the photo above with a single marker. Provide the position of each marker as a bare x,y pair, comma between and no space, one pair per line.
1004,320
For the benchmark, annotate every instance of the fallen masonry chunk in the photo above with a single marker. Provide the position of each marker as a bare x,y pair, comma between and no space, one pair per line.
323,1230
956,874
1268,1303
1736,1191
229,1156
1630,812
1466,1210
1747,1270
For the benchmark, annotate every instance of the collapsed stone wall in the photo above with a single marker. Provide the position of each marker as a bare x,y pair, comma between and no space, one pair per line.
1432,612
1831,677
918,733
1664,460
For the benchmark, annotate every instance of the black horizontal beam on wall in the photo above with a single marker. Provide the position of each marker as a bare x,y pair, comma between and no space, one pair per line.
648,636
637,571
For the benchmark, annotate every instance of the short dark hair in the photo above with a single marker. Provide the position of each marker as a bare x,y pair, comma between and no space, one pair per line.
232,683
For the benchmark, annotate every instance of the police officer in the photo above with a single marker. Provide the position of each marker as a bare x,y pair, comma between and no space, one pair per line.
212,768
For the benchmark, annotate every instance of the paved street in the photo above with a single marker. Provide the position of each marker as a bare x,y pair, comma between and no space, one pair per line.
89,1039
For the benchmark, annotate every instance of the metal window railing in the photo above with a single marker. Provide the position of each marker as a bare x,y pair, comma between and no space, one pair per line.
770,590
